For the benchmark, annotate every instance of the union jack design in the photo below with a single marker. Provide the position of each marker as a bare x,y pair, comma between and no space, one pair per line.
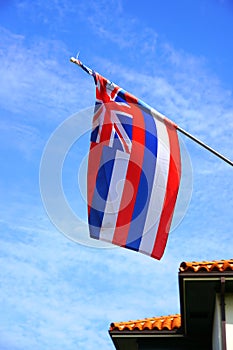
111,125
134,171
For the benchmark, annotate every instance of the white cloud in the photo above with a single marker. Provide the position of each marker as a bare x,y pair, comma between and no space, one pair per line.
35,83
56,293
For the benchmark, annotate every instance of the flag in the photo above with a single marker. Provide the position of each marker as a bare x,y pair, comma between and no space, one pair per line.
134,170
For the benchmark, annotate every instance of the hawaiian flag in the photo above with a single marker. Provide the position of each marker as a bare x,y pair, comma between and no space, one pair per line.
134,171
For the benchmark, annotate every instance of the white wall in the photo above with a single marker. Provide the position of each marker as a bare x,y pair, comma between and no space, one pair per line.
216,334
229,320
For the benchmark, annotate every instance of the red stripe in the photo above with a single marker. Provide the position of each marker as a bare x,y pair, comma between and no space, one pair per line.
114,92
93,167
106,130
171,194
101,91
96,148
95,152
132,179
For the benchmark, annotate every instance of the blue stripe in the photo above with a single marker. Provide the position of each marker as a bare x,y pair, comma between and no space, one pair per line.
120,97
101,191
94,134
97,106
145,184
117,143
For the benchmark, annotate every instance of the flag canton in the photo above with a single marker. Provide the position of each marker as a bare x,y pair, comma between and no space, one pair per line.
112,124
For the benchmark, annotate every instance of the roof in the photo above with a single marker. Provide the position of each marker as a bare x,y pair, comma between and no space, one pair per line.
161,323
207,266
173,322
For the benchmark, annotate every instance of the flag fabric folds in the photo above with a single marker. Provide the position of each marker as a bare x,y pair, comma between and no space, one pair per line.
134,171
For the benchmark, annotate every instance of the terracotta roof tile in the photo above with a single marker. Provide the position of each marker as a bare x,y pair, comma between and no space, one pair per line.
170,322
207,266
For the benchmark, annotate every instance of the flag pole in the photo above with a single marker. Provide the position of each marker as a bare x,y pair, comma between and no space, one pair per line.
91,72
80,64
204,145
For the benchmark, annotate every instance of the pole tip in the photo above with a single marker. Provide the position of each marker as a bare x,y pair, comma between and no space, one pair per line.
76,61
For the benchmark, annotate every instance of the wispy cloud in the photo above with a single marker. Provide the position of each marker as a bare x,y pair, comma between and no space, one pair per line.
54,289
41,289
179,84
42,12
34,81
21,136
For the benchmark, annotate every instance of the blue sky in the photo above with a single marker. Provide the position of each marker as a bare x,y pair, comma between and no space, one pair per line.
176,56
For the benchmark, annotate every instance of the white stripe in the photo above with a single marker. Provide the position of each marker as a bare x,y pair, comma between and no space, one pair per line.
123,113
98,85
125,136
157,115
158,191
114,196
111,137
124,104
99,122
96,120
110,86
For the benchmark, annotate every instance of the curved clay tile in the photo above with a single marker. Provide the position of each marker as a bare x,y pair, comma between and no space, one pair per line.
207,266
170,322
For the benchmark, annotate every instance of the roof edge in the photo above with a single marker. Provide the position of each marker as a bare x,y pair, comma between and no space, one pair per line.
218,266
